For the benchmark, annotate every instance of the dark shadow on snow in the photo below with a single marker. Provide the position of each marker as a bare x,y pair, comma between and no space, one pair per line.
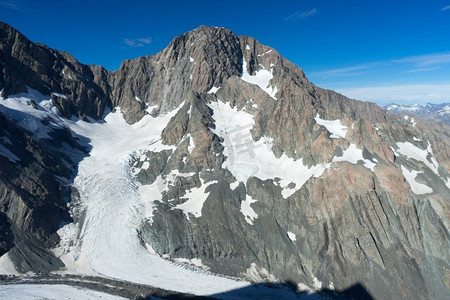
276,291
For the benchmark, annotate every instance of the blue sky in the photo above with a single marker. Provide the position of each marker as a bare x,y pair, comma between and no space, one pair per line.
382,51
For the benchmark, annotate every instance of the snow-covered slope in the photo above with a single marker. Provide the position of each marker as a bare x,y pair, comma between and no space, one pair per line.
112,207
108,241
51,292
219,156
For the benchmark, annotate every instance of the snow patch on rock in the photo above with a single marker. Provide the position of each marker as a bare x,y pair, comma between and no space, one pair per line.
213,90
291,236
196,197
354,155
335,127
234,185
247,158
8,154
261,78
18,107
317,284
411,151
248,212
259,274
196,262
416,187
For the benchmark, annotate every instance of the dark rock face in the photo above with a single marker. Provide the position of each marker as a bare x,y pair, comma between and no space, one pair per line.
349,225
32,199
75,89
195,61
6,235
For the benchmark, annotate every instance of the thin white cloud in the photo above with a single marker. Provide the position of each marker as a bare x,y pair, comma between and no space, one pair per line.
435,59
10,5
412,64
300,15
139,42
348,71
445,8
420,70
402,94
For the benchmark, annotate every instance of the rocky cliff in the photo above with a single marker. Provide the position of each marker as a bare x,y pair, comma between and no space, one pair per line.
263,175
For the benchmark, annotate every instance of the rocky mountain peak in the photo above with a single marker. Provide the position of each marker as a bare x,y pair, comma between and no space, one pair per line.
230,158
193,62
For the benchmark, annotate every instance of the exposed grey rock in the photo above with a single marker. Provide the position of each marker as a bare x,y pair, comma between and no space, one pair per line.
351,224
6,235
194,61
31,196
26,64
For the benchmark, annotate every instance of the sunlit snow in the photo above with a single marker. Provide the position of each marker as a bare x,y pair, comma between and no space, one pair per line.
60,95
261,78
335,127
247,158
7,266
115,206
411,151
213,90
291,236
354,155
247,210
19,108
196,197
416,187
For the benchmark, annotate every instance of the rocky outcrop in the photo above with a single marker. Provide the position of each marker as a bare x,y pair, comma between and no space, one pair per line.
195,61
370,207
352,224
75,89
34,192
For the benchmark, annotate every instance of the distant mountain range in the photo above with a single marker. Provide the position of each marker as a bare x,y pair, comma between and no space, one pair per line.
430,112
214,158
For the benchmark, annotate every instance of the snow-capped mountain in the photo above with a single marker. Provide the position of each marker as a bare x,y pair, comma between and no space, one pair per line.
218,154
430,112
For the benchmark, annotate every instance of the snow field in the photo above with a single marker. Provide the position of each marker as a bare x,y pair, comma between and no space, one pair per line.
50,292
115,206
261,78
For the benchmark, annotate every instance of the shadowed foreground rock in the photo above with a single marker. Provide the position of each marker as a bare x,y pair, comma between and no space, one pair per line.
368,216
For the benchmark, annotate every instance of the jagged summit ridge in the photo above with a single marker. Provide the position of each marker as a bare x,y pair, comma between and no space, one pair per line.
245,168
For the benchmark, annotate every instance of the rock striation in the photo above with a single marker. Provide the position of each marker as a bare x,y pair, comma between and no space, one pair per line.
297,183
